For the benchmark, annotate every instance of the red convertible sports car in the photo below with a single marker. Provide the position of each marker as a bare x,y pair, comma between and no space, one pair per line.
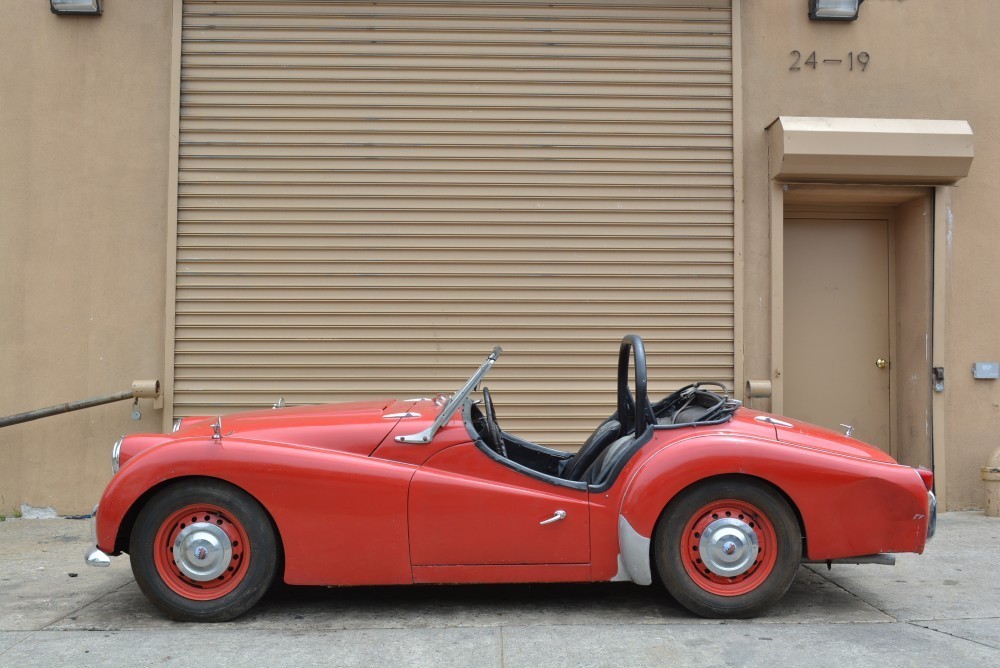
719,502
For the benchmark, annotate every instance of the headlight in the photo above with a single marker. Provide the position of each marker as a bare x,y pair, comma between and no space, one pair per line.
177,424
116,453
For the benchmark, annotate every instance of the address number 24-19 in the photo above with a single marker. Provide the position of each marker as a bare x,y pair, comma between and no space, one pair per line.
854,61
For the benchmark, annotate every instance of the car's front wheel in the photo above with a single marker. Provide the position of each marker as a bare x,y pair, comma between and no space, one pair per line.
728,548
203,550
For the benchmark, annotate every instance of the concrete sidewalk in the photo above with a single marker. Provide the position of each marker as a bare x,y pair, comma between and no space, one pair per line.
941,609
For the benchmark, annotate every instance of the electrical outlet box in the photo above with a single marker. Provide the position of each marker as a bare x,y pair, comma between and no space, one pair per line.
986,370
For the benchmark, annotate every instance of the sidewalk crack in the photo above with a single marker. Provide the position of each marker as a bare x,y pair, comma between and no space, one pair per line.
975,642
860,598
30,633
85,605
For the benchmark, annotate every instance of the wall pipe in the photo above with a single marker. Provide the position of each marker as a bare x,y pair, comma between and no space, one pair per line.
141,389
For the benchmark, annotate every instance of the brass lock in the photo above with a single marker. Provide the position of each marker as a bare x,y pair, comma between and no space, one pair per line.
881,363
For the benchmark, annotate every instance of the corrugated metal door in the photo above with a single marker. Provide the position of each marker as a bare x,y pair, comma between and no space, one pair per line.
372,195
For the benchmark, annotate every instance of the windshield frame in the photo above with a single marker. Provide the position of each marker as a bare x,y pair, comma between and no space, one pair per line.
453,403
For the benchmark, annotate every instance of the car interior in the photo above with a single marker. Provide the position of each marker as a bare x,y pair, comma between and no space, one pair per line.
609,446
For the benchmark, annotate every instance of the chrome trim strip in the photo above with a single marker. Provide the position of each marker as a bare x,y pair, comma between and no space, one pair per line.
634,553
94,556
400,416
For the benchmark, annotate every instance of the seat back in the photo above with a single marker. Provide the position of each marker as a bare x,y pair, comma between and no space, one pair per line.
603,436
607,459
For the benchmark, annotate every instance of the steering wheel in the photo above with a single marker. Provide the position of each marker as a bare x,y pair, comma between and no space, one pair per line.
493,432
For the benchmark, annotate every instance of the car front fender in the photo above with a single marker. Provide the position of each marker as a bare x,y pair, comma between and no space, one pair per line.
341,517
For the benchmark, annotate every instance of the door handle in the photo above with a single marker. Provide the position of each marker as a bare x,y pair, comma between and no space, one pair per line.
881,363
559,515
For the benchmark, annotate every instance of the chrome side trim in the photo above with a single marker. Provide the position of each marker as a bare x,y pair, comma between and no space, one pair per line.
94,556
399,416
634,553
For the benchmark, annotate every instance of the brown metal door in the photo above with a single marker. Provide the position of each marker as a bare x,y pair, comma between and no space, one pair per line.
837,328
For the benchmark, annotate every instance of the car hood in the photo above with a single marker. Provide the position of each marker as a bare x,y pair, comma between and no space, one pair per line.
350,427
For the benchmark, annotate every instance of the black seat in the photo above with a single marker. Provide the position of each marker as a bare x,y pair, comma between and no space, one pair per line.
597,471
605,434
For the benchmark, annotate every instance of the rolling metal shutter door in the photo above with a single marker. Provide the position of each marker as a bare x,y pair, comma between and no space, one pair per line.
372,195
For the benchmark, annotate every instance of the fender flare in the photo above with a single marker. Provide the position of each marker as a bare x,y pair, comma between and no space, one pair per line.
811,480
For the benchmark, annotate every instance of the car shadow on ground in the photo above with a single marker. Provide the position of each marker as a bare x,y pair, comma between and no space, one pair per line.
811,597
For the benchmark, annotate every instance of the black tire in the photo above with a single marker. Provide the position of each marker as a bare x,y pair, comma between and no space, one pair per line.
713,594
243,521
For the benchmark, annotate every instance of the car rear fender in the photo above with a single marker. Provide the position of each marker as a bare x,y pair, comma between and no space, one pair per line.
847,506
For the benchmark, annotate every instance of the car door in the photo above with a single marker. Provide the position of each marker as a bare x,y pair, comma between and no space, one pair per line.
465,508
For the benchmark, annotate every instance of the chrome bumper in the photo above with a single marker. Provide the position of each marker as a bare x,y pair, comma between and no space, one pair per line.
932,519
96,557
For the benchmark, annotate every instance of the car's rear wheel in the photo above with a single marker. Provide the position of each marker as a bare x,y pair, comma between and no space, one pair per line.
728,548
203,550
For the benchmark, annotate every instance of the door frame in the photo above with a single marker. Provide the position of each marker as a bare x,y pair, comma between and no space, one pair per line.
933,153
941,196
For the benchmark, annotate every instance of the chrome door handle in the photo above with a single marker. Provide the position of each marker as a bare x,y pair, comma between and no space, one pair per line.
559,515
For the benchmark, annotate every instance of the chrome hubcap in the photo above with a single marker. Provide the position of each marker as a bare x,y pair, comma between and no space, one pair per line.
728,547
202,551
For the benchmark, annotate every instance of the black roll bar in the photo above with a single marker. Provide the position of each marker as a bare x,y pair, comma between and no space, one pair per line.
629,408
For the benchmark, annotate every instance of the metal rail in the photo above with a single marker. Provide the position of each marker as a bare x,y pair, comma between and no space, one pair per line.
141,389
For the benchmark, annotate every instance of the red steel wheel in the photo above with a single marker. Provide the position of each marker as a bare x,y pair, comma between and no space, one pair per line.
728,547
203,550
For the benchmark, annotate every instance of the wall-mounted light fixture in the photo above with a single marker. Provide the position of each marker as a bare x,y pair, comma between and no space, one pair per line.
834,10
76,7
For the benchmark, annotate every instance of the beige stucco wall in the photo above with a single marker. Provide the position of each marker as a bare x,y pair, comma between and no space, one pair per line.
928,59
83,207
911,355
83,175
